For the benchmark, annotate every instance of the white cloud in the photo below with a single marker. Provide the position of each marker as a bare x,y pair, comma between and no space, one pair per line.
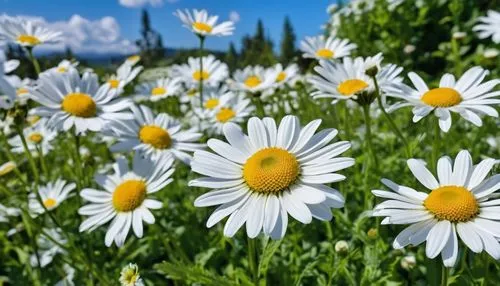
141,3
85,36
234,16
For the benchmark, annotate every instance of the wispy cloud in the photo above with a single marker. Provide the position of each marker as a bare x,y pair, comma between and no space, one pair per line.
234,16
142,3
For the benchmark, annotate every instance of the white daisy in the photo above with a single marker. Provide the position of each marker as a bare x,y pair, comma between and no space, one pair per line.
469,97
157,90
7,90
459,203
235,109
126,197
272,172
155,136
73,101
6,212
47,249
200,23
213,99
214,71
347,80
64,66
489,26
132,60
52,195
26,33
254,79
129,276
38,137
329,49
22,88
124,75
287,76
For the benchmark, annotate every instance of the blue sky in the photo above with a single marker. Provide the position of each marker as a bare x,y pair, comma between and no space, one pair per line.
306,15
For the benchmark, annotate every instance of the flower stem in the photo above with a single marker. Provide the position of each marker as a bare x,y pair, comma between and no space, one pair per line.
444,276
435,144
42,162
34,61
28,154
366,112
252,260
200,86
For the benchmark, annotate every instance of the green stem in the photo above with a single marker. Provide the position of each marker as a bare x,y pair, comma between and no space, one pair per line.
252,259
12,159
30,157
366,112
435,144
45,170
34,61
258,104
347,121
444,276
200,86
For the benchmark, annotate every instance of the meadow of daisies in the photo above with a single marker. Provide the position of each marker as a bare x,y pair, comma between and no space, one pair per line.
376,165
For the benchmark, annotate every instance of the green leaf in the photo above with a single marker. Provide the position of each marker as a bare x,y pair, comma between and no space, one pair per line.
191,273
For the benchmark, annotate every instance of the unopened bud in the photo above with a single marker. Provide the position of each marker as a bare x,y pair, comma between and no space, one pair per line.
341,247
408,262
372,71
372,233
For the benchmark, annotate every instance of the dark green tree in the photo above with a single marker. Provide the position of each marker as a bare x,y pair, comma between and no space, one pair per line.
287,52
231,57
151,43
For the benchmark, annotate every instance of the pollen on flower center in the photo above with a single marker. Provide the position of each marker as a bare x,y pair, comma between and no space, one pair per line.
61,70
202,27
351,86
452,203
155,136
252,81
129,195
158,91
281,77
270,170
225,114
49,203
35,137
325,53
211,103
114,83
79,104
199,75
442,97
21,91
28,40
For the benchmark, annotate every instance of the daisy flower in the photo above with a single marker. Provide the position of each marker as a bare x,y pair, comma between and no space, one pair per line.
489,26
347,80
80,102
6,212
289,75
459,203
157,90
64,67
329,49
26,33
124,75
132,60
126,198
38,138
213,99
7,91
22,88
273,171
155,136
200,23
236,109
129,276
47,249
52,195
254,79
469,96
214,71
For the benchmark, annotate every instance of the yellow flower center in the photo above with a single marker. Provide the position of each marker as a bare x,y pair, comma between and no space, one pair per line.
49,203
270,170
200,75
192,92
453,203
134,58
7,168
281,77
158,91
155,136
202,27
28,40
114,83
225,114
252,81
35,137
21,91
62,69
325,53
211,103
32,119
79,104
351,86
442,97
129,195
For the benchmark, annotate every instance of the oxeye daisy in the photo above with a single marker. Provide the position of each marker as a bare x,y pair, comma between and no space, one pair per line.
155,136
489,26
200,23
51,195
289,75
254,79
22,88
129,276
64,66
348,80
469,96
213,99
80,102
7,90
47,248
157,90
214,71
132,60
273,171
460,202
126,198
38,138
235,109
124,75
326,49
26,33
6,212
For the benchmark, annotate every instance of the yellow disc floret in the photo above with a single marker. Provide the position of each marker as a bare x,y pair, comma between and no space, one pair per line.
198,75
129,195
155,136
271,170
452,203
49,203
158,91
281,77
114,83
202,27
252,81
28,40
35,137
351,86
79,104
442,97
325,53
211,103
225,114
